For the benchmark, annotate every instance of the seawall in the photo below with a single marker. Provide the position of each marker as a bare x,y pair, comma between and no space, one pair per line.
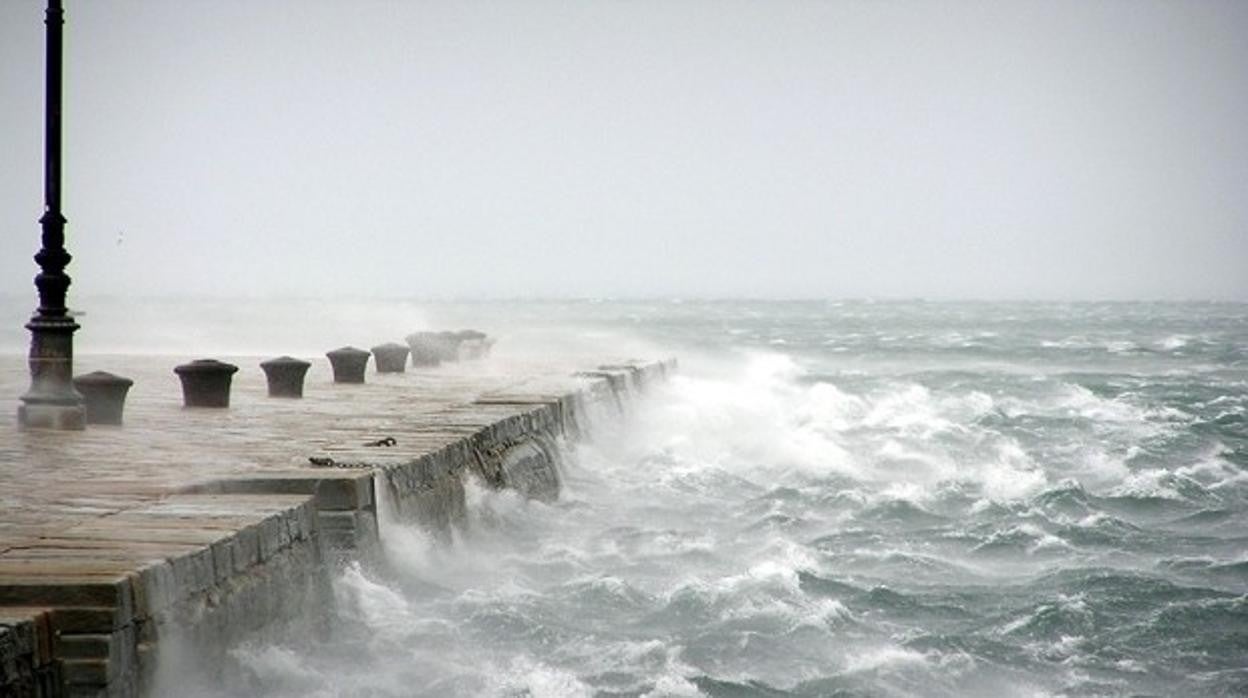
187,531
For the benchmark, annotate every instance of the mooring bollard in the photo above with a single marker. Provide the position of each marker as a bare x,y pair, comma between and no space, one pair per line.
206,382
103,396
390,357
423,348
349,364
472,344
285,375
447,345
471,349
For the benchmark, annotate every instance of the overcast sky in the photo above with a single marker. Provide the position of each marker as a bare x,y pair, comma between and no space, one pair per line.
625,148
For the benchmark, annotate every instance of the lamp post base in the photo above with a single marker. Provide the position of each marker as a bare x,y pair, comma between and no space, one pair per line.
62,417
51,402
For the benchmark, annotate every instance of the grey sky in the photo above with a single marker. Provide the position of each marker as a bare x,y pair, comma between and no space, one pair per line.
771,148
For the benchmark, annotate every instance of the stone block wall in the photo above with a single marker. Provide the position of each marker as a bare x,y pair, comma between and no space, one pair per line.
27,665
206,570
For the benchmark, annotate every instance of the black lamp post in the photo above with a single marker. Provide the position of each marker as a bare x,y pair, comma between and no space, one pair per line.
52,402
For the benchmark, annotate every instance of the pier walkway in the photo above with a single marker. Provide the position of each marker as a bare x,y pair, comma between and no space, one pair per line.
214,524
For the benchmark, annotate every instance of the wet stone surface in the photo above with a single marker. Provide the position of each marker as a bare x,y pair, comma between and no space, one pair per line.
193,517
57,479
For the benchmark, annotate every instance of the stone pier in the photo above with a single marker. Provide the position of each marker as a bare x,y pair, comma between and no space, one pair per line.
206,527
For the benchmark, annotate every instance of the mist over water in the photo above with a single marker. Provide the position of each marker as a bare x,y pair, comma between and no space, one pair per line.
835,499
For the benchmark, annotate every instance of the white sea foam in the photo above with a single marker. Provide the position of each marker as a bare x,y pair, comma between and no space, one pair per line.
376,605
669,686
276,665
761,420
1158,483
536,679
1067,606
1029,537
766,420
1174,341
885,657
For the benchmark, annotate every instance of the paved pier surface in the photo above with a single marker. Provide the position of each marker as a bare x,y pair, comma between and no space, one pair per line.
214,518
51,481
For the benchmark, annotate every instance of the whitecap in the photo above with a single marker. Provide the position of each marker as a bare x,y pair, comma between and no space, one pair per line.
1174,341
671,686
1163,484
539,680
884,657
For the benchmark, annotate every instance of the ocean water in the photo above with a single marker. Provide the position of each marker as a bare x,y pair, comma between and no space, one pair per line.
832,499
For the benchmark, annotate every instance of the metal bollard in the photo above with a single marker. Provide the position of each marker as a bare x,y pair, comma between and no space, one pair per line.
424,351
472,344
349,364
390,357
447,345
103,395
206,383
285,375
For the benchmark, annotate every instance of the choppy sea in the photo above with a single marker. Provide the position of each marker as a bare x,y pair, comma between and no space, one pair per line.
832,499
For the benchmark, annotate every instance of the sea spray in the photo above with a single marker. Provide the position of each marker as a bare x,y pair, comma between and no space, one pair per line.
900,499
